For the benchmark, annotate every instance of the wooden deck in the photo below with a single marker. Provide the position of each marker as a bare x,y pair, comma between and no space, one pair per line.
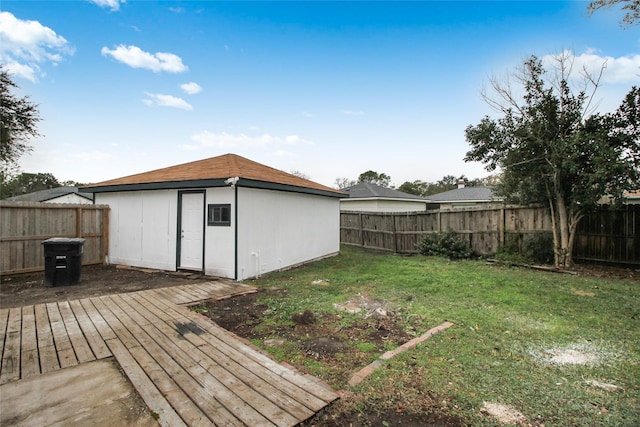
187,369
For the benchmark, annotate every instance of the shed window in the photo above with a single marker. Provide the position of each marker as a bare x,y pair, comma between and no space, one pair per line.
219,215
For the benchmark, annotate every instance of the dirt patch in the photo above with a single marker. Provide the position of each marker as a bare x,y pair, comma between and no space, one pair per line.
582,293
95,280
581,353
503,413
606,271
342,350
320,336
340,414
366,305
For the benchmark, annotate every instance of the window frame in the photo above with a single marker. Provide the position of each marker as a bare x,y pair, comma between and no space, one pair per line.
211,208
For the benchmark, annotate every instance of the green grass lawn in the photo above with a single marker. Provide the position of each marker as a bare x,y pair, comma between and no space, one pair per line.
512,327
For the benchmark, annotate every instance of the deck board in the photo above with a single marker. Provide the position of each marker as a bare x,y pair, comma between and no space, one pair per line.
29,363
187,369
78,341
66,355
46,347
11,355
4,320
98,346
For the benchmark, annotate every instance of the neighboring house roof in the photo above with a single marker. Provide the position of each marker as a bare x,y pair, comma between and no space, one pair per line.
466,195
632,195
366,190
215,172
49,194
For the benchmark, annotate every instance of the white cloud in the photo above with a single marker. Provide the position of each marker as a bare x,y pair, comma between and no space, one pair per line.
160,100
283,154
135,57
294,140
191,88
353,112
26,44
624,69
226,141
112,4
91,156
25,71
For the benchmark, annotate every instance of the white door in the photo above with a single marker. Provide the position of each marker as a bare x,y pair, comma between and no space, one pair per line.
192,231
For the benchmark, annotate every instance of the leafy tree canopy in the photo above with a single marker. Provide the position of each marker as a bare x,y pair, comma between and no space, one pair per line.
630,7
418,187
18,120
372,177
448,182
552,151
25,183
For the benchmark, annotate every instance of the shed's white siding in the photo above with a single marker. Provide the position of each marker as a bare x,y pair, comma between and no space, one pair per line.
71,198
142,228
276,229
279,229
219,251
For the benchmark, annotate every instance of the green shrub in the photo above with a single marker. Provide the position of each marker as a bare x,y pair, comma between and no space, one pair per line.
510,250
538,247
448,245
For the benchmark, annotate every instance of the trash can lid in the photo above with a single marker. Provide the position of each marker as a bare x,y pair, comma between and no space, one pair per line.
63,240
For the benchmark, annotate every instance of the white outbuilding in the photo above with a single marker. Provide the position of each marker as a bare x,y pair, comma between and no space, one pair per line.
226,216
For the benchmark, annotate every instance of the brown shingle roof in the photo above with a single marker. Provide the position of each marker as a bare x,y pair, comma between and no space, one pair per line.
221,167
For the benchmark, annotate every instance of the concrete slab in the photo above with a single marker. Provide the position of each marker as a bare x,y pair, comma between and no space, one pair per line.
94,393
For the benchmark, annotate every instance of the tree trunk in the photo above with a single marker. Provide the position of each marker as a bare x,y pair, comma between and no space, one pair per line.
573,226
554,230
566,258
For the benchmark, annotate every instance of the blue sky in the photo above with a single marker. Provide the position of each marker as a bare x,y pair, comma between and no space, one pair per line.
329,89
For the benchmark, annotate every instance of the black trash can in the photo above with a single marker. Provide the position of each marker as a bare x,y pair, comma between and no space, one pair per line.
62,261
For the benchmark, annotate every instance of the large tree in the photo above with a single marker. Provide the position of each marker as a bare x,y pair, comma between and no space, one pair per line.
373,177
18,120
25,183
630,7
553,149
448,182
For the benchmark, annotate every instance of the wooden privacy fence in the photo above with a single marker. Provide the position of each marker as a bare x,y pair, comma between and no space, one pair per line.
606,235
610,235
24,225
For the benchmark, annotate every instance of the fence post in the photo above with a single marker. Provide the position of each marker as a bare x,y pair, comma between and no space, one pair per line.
105,234
501,228
78,222
395,237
